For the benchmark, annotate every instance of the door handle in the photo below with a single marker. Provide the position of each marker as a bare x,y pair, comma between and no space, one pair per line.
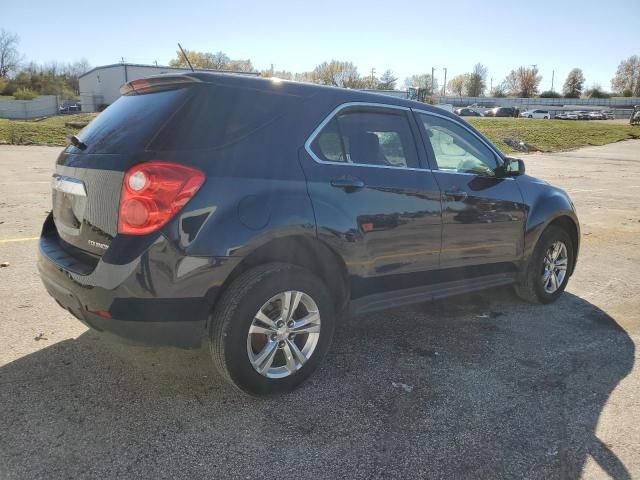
348,184
456,194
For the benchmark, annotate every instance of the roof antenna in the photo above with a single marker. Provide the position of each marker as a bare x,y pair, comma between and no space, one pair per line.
184,54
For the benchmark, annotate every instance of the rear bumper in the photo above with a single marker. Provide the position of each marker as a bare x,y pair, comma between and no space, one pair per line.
178,333
160,298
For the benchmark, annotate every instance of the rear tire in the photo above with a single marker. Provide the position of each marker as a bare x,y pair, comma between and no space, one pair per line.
255,296
544,281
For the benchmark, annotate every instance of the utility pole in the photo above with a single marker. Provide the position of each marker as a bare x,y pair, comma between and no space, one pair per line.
444,86
553,74
432,84
491,86
373,72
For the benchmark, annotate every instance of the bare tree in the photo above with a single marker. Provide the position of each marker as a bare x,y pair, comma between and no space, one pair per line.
9,56
337,74
423,81
523,82
628,76
218,60
574,84
457,83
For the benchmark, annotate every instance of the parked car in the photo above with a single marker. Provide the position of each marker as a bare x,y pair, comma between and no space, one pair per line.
253,213
583,115
467,112
608,114
536,114
572,116
596,115
561,116
72,108
501,112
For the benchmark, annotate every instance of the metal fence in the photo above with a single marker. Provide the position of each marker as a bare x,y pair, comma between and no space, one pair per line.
611,103
43,106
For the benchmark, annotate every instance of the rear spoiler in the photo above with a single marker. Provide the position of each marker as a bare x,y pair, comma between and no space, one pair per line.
157,83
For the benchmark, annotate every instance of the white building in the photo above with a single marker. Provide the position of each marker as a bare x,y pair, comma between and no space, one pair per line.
101,85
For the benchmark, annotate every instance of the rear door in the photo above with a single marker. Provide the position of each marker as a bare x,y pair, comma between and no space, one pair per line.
373,200
483,215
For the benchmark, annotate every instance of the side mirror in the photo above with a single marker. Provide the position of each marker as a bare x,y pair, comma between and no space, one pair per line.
513,167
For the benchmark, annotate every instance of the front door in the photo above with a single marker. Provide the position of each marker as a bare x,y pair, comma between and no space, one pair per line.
483,215
373,200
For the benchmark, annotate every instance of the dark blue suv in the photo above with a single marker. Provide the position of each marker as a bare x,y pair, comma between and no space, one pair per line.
254,212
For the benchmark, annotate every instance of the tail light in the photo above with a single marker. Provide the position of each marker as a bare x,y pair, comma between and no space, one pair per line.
153,193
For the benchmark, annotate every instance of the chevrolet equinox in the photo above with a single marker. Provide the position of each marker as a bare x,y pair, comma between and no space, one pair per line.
254,212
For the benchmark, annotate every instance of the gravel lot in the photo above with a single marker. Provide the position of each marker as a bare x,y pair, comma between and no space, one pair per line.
481,386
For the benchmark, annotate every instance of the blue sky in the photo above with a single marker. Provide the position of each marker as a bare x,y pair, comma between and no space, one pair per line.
408,37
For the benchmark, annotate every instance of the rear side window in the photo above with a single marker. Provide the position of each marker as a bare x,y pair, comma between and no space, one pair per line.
216,116
130,122
367,137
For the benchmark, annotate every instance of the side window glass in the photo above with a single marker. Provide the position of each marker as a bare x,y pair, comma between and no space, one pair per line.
456,149
367,137
328,144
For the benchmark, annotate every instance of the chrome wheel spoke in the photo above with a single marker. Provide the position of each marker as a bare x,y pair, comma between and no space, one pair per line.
293,357
264,319
308,324
285,299
292,350
264,360
259,329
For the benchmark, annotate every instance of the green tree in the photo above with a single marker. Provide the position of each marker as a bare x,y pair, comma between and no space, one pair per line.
574,84
550,94
387,81
596,91
628,76
476,81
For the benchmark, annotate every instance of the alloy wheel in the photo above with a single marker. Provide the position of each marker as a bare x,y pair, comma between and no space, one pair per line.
555,267
283,334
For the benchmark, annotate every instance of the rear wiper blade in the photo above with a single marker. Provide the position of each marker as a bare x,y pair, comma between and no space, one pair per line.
76,142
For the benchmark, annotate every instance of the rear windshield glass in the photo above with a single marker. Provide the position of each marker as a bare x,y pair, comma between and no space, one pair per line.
130,122
217,116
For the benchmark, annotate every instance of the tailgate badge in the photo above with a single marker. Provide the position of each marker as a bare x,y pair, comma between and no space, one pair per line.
97,244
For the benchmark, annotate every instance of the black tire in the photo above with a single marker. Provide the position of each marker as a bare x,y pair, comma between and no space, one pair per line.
235,311
531,287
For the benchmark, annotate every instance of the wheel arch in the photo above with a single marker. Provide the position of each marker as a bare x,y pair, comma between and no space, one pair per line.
565,220
303,251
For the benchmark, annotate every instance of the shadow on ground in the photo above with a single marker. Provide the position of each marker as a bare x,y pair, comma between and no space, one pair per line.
497,389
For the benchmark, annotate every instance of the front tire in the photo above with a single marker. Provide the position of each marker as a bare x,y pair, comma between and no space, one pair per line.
548,270
271,328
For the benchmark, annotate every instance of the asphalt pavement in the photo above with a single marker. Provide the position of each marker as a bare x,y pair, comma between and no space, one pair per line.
479,386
